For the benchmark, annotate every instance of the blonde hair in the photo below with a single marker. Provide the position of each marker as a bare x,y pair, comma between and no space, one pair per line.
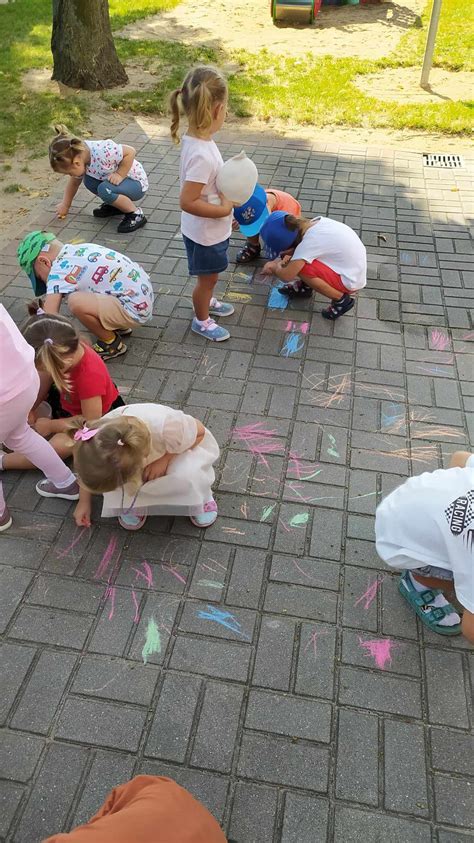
64,148
202,89
54,338
114,456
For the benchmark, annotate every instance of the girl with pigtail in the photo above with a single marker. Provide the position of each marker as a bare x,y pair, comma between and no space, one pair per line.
146,459
108,169
206,218
75,382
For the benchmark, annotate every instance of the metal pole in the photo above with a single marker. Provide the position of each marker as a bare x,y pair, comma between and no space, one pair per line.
430,43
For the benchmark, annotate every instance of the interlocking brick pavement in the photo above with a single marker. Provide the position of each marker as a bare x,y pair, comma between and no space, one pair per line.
275,714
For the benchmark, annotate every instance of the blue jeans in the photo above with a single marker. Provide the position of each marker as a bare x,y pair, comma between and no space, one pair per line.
110,192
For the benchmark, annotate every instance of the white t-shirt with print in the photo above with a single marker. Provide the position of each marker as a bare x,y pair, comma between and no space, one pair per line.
339,247
201,162
106,155
90,268
429,520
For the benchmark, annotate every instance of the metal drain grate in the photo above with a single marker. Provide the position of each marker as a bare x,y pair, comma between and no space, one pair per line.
445,160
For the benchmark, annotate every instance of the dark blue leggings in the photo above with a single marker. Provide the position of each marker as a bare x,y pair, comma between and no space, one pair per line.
110,192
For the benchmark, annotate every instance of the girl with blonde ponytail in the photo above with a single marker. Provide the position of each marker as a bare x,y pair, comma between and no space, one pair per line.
206,218
78,381
146,459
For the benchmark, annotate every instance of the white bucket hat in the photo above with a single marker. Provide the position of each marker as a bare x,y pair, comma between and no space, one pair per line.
237,178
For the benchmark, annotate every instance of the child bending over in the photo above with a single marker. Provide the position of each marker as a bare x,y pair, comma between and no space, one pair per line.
206,218
251,217
81,383
325,255
426,528
108,169
145,459
106,291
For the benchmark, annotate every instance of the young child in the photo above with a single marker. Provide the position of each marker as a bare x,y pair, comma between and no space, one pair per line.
19,386
426,528
251,219
146,459
325,254
81,383
108,169
106,291
206,218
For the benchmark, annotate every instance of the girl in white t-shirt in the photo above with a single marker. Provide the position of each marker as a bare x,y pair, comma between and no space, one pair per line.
206,218
146,459
319,254
425,527
108,169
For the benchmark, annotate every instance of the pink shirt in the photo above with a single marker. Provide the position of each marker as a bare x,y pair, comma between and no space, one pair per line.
17,359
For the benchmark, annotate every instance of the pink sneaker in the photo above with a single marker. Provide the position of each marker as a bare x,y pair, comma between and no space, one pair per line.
5,520
48,490
130,521
207,517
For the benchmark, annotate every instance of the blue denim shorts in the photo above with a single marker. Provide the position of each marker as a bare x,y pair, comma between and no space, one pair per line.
206,260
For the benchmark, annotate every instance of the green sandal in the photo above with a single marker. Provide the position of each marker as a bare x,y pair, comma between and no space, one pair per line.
420,600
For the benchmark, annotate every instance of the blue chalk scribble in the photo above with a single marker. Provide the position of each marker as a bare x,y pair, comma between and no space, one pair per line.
293,343
277,301
221,617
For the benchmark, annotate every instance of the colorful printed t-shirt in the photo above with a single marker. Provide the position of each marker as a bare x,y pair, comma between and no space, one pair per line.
89,268
106,155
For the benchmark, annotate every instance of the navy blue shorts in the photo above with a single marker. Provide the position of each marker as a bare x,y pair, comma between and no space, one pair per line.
206,260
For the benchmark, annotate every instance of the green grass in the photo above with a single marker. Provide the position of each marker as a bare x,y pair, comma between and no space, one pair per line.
309,91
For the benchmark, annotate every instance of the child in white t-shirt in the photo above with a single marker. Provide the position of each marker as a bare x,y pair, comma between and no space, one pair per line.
323,254
108,169
426,528
109,293
206,218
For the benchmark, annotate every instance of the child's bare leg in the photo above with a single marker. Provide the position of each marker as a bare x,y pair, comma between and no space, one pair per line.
202,295
459,459
123,203
446,586
18,462
322,287
84,307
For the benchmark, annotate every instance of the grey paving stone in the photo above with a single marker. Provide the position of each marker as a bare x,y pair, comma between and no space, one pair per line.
360,598
101,723
51,799
10,798
305,819
388,654
274,655
253,813
218,621
22,553
13,584
210,788
380,692
216,730
305,571
108,770
316,661
406,789
446,668
288,715
19,754
173,718
222,659
51,626
116,679
62,593
279,761
15,661
301,601
357,776
245,583
454,800
352,825
452,751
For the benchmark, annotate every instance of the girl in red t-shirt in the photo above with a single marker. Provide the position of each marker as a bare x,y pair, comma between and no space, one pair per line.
78,380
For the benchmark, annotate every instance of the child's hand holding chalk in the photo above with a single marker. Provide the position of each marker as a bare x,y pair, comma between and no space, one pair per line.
62,210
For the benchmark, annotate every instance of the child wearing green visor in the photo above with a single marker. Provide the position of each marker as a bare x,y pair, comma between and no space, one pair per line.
106,291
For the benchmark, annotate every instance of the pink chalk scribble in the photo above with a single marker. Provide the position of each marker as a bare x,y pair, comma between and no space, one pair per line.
312,641
259,441
380,649
76,539
109,594
293,326
106,559
136,617
439,340
172,570
371,593
146,574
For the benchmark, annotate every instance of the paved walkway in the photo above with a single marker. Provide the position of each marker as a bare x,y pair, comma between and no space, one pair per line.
286,684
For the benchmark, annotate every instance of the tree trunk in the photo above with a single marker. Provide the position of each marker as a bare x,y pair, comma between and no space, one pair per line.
83,49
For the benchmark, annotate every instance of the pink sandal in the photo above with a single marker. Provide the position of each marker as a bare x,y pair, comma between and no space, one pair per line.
207,517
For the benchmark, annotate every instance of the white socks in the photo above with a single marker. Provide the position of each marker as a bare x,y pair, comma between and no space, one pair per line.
449,620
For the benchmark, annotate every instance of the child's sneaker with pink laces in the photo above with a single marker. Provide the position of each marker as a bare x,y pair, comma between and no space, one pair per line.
206,518
209,330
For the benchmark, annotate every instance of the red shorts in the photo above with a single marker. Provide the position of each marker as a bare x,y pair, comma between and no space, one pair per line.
316,269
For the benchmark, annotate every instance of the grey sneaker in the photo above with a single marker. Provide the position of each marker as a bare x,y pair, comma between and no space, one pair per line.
48,490
5,520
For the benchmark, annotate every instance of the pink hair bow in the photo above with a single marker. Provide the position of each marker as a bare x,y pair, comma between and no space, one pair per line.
84,434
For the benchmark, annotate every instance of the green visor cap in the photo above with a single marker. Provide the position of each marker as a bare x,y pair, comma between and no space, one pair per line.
28,251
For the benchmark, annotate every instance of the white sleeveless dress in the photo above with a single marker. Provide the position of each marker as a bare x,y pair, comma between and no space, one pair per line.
186,486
